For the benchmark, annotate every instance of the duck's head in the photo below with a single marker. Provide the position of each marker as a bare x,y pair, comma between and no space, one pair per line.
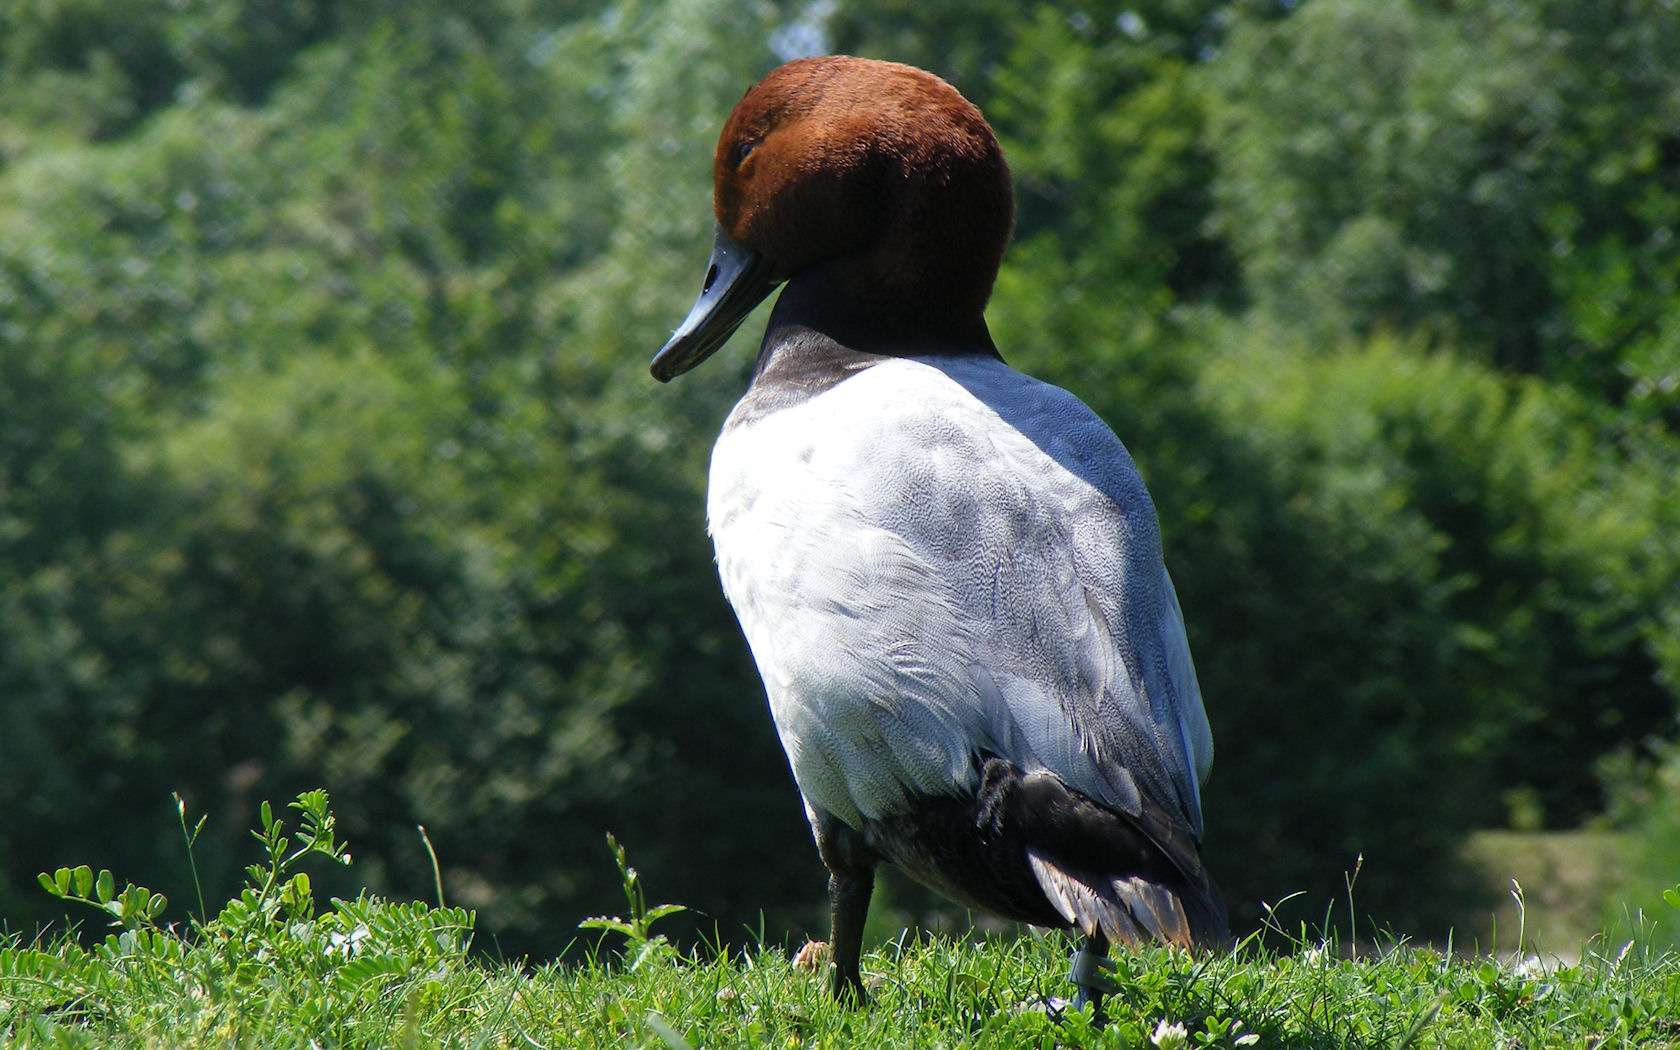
876,185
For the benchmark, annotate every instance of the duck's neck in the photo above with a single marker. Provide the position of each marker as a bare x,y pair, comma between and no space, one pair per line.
819,335
825,311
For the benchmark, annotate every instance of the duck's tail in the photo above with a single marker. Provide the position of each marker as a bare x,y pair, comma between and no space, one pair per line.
1136,910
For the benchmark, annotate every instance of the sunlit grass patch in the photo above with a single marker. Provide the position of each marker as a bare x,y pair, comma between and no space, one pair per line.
275,967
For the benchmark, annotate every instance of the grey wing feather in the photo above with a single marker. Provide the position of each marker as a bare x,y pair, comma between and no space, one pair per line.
1120,707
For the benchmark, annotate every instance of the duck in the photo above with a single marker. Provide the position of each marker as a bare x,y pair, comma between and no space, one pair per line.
949,574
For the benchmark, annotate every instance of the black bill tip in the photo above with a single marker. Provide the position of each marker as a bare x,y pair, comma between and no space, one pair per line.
736,281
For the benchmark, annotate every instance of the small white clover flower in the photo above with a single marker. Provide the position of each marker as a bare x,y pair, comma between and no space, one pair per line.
1170,1035
1530,967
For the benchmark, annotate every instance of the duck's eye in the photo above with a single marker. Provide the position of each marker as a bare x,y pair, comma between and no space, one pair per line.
743,150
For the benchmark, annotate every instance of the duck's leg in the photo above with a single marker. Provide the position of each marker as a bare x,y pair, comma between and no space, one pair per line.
851,881
1090,974
848,903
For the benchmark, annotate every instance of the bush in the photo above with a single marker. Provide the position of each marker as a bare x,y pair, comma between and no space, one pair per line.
1432,591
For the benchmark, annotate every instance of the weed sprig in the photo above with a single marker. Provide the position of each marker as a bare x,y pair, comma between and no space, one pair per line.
339,968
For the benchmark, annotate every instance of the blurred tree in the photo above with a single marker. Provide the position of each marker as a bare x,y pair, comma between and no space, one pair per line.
1530,547
90,70
1499,175
413,525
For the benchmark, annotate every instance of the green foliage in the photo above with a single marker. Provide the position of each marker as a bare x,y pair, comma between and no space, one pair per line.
87,70
1645,802
324,463
1491,489
1449,611
135,907
1501,175
375,973
344,974
637,929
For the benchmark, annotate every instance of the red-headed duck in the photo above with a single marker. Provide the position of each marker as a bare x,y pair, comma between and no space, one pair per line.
949,574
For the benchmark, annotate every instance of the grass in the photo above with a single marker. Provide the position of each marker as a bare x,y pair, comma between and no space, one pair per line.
276,968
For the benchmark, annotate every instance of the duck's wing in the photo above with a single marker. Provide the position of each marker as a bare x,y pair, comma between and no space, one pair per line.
1111,691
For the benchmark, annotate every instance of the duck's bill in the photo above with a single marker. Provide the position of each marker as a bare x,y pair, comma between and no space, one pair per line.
736,281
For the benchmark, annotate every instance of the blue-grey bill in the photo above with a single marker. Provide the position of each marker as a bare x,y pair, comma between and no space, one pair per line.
736,281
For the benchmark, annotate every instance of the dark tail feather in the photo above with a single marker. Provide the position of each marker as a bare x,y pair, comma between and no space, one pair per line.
1134,910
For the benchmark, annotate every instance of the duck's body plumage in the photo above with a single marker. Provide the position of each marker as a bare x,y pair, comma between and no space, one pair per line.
950,574
941,556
